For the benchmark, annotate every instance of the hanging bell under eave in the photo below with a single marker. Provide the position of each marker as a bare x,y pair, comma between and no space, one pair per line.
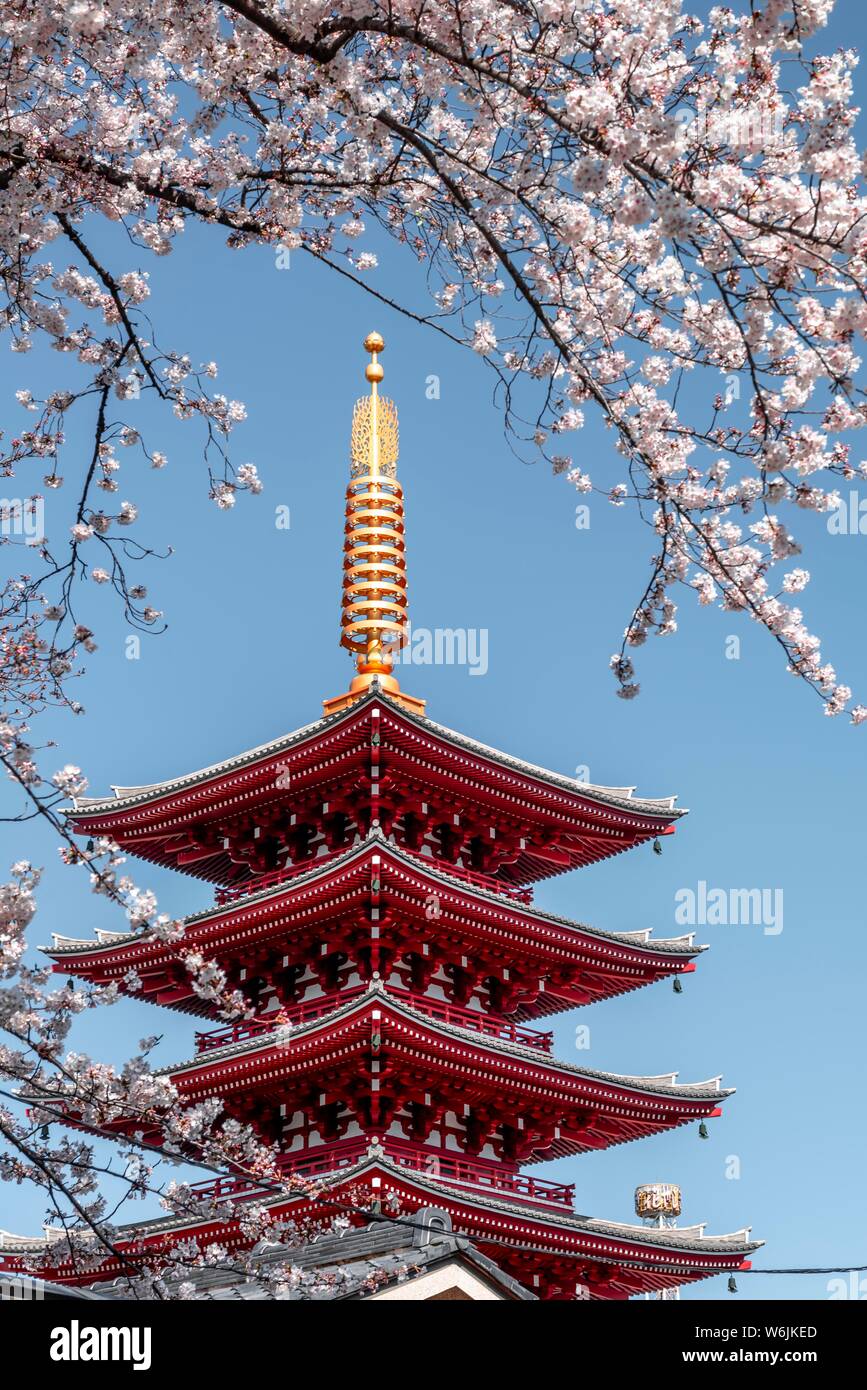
677,986
702,1131
657,847
733,1288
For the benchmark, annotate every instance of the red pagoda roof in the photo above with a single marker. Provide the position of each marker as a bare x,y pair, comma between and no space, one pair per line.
372,1056
553,963
374,760
550,1251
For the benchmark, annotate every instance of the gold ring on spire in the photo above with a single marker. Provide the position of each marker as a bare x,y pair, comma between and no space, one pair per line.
374,621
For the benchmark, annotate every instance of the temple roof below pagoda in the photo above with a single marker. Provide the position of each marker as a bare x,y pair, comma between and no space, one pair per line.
362,1262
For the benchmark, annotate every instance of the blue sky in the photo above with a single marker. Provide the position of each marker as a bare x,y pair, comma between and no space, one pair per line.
774,788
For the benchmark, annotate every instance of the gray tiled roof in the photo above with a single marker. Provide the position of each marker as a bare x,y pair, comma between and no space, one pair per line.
665,1085
382,1254
620,797
678,945
686,1239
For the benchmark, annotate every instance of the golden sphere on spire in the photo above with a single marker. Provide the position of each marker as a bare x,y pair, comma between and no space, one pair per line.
373,344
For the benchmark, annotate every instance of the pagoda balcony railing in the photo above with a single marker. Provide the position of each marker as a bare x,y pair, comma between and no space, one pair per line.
441,1165
234,1187
260,882
493,885
490,1177
293,1014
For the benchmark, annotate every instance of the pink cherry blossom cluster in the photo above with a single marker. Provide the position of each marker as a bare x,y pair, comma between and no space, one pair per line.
658,194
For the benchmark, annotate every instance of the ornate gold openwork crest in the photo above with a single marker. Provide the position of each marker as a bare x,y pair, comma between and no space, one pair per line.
374,441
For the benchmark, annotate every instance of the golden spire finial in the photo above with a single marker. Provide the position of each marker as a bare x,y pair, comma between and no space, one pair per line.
373,445
374,344
374,622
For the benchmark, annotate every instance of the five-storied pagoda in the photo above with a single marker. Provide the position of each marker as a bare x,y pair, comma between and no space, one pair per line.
374,876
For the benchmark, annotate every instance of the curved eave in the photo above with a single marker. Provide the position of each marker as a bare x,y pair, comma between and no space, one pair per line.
676,1254
278,1041
637,947
686,1240
101,814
